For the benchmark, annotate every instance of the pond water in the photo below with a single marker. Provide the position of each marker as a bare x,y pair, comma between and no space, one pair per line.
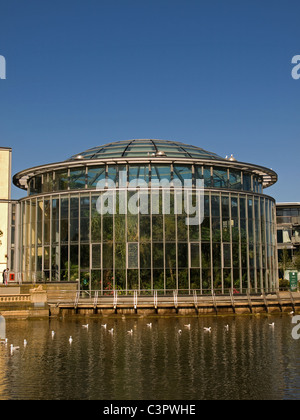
247,360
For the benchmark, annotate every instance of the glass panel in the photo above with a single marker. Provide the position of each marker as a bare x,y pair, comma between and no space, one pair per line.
74,219
183,173
132,279
55,220
107,261
183,229
107,228
132,255
120,255
215,206
158,255
84,219
132,228
208,182
235,179
205,252
84,256
183,260
61,180
64,263
145,229
145,279
120,279
96,280
77,179
96,256
216,255
138,172
74,263
195,279
220,178
157,228
246,182
195,255
47,212
48,183
170,234
234,207
112,173
183,279
158,279
227,255
95,175
55,263
145,256
95,222
159,172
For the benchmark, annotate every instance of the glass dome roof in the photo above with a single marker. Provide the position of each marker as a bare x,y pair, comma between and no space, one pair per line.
146,148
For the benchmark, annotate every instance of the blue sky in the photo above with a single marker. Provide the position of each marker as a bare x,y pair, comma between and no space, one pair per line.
214,73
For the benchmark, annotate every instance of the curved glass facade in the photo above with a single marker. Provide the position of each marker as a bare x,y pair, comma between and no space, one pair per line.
82,178
64,237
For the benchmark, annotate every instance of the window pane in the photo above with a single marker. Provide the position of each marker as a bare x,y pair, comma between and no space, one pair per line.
95,175
77,179
220,178
235,179
132,255
195,255
96,256
246,182
159,172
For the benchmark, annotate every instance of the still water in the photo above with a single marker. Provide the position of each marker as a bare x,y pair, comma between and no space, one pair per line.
249,360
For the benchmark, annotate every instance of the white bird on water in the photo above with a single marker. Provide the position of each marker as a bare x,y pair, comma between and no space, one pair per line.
104,325
70,340
188,326
130,331
86,326
111,331
52,334
227,327
149,325
207,329
12,348
25,343
272,325
179,331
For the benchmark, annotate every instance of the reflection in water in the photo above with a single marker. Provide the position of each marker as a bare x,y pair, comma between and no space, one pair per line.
249,360
2,328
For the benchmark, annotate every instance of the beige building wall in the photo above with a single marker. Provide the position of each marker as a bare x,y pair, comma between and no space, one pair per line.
5,196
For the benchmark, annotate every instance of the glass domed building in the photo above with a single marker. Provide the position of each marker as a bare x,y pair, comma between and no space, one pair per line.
65,236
